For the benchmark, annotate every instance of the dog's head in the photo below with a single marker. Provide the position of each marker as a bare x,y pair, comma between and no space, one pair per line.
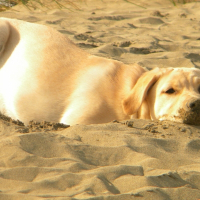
166,94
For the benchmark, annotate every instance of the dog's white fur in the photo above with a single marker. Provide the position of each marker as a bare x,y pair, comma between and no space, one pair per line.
44,76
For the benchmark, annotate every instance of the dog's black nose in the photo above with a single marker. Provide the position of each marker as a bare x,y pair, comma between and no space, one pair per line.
193,105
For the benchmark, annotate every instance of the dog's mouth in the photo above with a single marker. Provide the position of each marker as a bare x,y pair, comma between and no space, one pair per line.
190,117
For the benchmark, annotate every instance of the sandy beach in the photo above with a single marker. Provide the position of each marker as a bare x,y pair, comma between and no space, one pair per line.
128,160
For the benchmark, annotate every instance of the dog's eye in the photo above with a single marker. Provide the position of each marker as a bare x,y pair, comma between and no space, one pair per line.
170,91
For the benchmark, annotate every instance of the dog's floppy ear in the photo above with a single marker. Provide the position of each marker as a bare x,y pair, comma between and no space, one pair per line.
4,34
137,95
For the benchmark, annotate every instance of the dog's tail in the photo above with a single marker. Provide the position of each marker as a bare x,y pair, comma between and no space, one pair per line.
4,34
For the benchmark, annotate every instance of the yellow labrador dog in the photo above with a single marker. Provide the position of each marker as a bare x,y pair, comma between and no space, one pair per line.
45,76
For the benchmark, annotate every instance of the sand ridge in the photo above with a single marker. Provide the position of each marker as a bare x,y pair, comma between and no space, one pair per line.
134,159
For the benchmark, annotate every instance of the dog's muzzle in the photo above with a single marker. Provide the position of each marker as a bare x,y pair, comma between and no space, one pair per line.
192,114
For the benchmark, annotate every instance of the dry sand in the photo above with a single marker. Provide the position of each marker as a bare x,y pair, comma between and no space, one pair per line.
140,159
